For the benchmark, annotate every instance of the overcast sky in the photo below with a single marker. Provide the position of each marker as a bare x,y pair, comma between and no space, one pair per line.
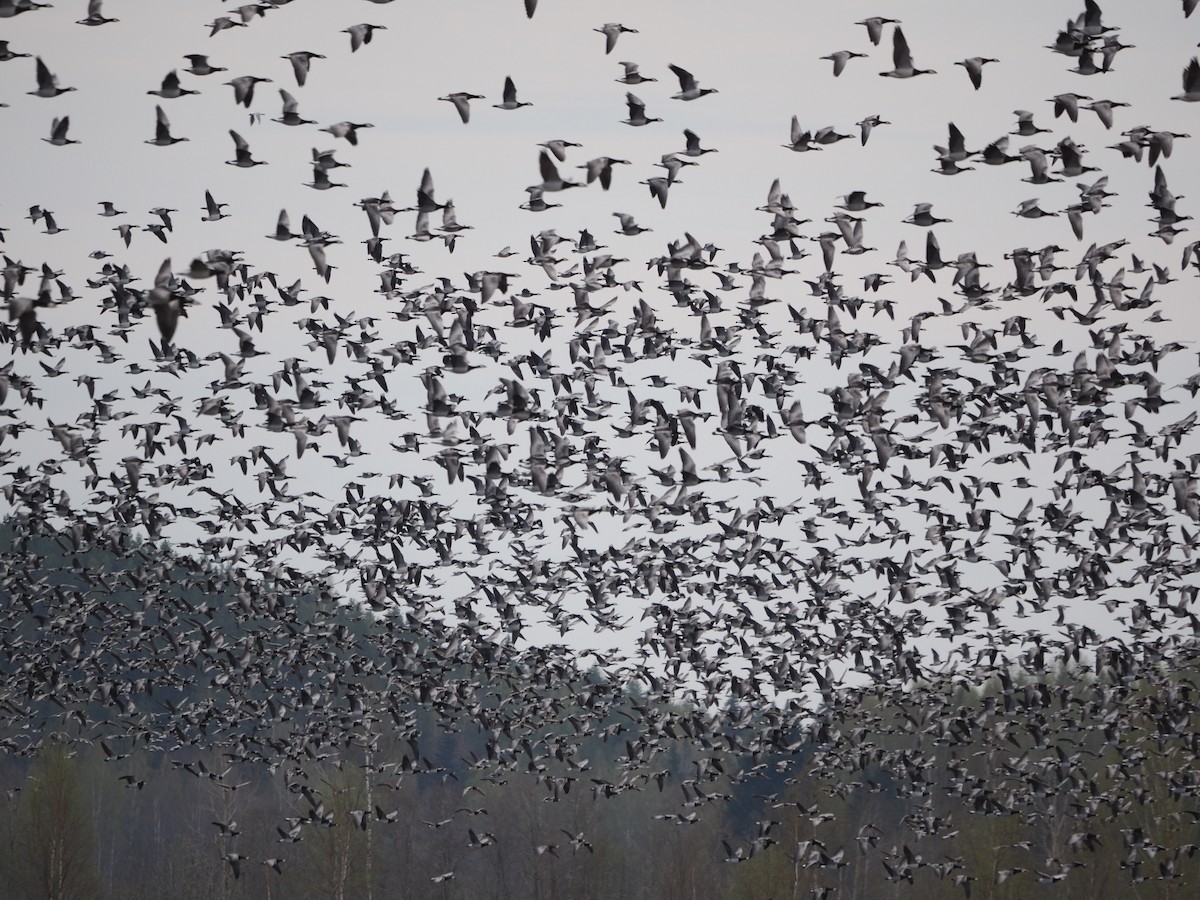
763,58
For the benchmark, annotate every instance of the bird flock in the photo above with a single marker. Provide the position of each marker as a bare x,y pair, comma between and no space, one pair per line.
743,475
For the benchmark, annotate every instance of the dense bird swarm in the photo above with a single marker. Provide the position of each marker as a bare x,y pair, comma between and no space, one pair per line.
767,503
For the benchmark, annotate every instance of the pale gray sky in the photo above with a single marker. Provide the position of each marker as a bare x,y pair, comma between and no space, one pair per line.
762,57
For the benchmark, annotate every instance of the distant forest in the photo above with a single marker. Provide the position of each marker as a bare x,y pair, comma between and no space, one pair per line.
228,741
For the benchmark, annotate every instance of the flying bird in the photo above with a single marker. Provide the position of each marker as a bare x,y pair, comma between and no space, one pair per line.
874,27
291,111
612,31
162,130
974,66
688,88
637,112
95,16
801,141
867,124
347,130
632,75
242,158
200,65
47,83
301,61
510,97
840,58
1191,82
902,64
171,87
462,103
58,132
243,88
601,168
213,211
551,180
361,34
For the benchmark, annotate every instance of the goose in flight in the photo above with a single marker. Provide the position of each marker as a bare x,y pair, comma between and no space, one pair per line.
243,88
321,180
242,159
693,144
974,67
510,97
957,146
10,8
425,201
6,54
58,132
536,202
875,27
923,216
162,130
628,226
167,304
347,130
637,111
947,166
688,88
95,16
52,227
902,59
856,201
223,23
301,60
283,228
612,31
214,211
361,34
1191,82
828,135
801,140
601,168
559,148
1025,126
171,88
1104,109
632,75
291,114
1088,23
840,58
551,180
200,65
659,186
1067,103
450,224
47,82
1039,165
1029,209
462,102
996,153
867,124
673,164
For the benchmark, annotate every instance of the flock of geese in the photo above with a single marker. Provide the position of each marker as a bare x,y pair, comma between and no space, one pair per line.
764,480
